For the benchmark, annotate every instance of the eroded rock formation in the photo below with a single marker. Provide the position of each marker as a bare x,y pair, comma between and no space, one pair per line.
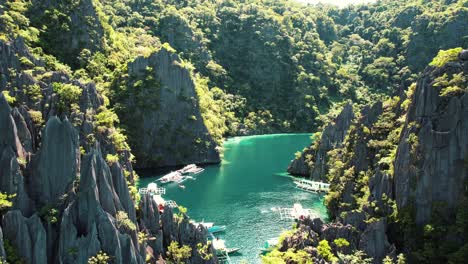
165,125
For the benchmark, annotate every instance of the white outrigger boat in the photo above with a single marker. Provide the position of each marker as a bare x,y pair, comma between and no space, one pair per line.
297,212
191,169
220,246
312,186
173,176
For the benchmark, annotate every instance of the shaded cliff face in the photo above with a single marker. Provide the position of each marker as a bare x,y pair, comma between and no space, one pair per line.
160,109
431,163
313,161
71,183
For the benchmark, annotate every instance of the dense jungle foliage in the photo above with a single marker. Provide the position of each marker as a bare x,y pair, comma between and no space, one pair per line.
273,66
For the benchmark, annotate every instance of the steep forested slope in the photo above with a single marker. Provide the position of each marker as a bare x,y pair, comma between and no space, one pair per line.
258,66
86,82
398,178
67,185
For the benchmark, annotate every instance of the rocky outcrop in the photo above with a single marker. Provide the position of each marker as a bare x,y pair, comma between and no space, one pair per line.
70,201
374,241
55,166
27,235
430,166
150,223
11,151
164,229
408,154
2,247
165,125
313,162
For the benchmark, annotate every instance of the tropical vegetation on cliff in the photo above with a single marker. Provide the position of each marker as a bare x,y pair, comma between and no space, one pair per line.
92,89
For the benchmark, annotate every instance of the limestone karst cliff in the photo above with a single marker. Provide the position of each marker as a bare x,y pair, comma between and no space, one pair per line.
398,178
313,161
165,124
69,174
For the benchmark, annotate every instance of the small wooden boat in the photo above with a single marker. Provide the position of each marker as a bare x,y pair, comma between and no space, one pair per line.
221,249
229,251
182,186
232,250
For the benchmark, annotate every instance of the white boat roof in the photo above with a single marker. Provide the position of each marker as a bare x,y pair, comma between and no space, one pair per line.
219,243
159,200
273,241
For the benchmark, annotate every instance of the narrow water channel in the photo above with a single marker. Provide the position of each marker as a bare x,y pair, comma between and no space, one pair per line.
241,191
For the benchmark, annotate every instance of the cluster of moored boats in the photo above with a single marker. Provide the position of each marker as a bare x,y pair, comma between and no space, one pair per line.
179,176
297,212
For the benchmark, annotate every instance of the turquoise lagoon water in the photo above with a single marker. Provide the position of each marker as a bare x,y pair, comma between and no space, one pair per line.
241,191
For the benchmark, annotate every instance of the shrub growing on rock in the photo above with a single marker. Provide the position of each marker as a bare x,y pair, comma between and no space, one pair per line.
178,254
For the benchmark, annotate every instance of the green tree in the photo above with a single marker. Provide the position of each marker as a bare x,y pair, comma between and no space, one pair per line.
178,254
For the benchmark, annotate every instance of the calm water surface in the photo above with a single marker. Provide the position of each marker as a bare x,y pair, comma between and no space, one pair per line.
241,191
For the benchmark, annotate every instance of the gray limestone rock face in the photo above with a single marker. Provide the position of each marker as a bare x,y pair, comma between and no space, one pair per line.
332,137
149,222
107,195
300,166
381,183
12,181
24,135
431,169
463,55
56,165
169,228
2,248
337,230
27,235
121,190
168,130
90,218
374,242
11,178
86,191
9,135
304,237
149,218
75,247
356,219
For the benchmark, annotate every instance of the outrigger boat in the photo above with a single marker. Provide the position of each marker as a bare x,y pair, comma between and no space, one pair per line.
174,176
221,249
297,212
191,169
312,186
